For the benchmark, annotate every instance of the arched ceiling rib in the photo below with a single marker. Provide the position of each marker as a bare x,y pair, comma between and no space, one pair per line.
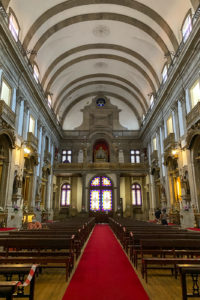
129,3
81,45
92,76
97,56
97,82
99,16
99,46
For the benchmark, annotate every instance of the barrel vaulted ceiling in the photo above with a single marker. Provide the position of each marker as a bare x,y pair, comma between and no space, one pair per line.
88,47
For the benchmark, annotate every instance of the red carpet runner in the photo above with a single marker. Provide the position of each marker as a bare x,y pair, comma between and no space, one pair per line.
104,272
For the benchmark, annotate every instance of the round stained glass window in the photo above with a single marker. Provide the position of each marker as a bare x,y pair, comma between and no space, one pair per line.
100,102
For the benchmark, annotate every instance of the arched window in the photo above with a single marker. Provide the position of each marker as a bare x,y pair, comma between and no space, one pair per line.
187,27
13,26
36,72
101,194
49,100
136,194
65,195
164,73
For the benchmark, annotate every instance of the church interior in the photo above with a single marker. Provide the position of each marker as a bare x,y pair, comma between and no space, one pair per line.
100,135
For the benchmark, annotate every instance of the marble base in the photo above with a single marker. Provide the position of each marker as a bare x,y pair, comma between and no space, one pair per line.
187,219
14,218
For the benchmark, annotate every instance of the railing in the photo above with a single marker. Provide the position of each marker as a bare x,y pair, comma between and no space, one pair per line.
101,166
7,114
169,141
193,116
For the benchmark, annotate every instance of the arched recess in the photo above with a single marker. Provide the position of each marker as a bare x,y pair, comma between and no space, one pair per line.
100,194
6,145
133,4
101,151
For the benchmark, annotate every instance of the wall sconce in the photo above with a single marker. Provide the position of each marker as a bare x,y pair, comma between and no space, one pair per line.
174,152
27,150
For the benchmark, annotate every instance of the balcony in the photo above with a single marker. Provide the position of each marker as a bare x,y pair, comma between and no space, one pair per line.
6,114
169,142
193,116
140,168
32,141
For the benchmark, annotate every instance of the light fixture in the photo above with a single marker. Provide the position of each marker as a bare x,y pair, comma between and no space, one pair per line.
174,152
27,150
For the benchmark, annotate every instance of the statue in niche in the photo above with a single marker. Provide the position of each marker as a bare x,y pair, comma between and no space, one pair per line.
16,184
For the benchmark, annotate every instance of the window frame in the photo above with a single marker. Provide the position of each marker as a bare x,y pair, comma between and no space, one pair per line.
34,121
172,125
4,81
164,75
11,27
189,27
154,143
67,155
193,102
35,67
134,155
49,100
68,188
134,187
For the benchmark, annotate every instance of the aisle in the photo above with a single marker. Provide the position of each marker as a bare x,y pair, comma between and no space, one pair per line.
104,272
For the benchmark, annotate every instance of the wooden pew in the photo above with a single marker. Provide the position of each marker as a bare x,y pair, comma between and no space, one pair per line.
194,271
21,270
7,289
164,244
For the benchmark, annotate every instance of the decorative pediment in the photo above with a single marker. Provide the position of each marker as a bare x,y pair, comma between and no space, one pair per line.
101,114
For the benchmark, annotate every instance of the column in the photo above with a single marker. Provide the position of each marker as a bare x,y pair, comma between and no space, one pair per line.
175,121
42,150
118,193
84,206
183,111
17,113
26,119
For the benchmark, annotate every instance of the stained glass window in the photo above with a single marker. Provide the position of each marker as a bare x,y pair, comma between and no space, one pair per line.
95,200
101,198
65,195
95,181
106,181
136,194
106,200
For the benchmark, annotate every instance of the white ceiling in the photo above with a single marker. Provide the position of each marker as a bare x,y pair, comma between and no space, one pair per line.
90,46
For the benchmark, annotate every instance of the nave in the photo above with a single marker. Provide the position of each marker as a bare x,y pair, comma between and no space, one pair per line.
104,270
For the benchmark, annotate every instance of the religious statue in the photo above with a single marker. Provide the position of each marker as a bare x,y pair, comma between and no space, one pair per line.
16,184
